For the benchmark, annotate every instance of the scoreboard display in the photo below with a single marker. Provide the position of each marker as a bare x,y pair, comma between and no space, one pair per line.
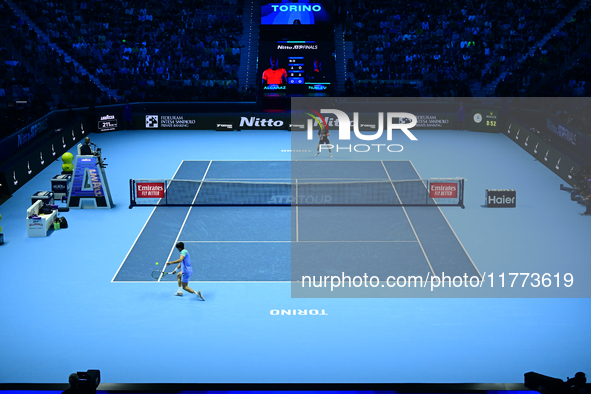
296,49
485,120
308,67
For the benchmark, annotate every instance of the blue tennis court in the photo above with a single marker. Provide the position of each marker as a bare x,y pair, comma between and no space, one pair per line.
279,243
88,300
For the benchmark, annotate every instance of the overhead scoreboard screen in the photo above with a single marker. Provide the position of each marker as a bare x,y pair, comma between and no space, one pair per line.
298,67
296,49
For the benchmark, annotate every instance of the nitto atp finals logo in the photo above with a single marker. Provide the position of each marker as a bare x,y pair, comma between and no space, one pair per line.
406,121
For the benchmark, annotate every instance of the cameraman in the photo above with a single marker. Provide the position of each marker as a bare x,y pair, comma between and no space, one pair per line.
74,381
586,194
577,384
582,190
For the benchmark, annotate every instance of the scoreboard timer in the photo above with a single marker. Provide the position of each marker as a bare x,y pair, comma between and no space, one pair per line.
485,120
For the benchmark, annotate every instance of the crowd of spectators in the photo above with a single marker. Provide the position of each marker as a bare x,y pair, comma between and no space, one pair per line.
188,50
576,113
152,49
445,46
560,68
35,75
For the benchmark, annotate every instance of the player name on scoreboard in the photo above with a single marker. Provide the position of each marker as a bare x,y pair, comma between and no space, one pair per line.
501,198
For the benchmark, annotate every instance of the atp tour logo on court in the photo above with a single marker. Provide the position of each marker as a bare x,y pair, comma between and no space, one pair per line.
151,121
443,190
149,190
406,121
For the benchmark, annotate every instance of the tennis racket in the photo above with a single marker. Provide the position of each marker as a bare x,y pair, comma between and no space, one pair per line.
156,274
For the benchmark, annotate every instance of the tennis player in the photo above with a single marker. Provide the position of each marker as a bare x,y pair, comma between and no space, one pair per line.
323,134
274,75
185,271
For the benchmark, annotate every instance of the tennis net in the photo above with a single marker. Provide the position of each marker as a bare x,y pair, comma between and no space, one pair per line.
177,192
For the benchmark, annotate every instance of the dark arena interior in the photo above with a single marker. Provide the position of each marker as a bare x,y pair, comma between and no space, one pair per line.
333,196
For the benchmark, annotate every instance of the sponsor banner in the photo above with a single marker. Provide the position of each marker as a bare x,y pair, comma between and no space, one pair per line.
425,121
149,190
23,138
500,198
224,127
444,121
107,122
212,121
573,139
562,131
171,121
443,190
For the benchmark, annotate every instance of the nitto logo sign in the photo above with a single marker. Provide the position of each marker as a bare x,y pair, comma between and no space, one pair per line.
258,122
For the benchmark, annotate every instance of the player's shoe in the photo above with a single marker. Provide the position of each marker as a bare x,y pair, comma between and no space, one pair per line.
317,153
179,293
330,155
586,214
200,295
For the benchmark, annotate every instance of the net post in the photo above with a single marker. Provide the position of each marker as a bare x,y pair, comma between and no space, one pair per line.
427,194
130,193
462,193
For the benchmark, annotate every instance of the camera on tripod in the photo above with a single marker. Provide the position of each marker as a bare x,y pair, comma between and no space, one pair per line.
88,381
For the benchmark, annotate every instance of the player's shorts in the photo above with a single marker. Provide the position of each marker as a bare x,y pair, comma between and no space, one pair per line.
186,276
324,140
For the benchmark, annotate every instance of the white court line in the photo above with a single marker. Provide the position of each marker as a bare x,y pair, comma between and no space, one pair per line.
294,161
277,242
452,230
187,216
141,231
407,218
297,214
210,281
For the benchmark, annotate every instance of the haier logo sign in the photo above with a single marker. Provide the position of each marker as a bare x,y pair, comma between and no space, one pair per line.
151,121
503,198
